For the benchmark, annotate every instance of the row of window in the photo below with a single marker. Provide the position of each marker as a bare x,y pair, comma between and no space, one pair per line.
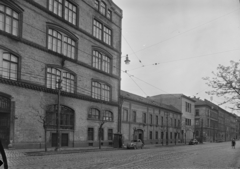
58,41
9,68
173,122
102,8
95,114
173,135
90,134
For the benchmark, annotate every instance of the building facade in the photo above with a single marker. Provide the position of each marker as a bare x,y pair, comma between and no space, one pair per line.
214,124
47,46
153,123
186,106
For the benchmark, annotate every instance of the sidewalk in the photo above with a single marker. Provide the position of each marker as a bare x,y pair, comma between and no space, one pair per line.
70,150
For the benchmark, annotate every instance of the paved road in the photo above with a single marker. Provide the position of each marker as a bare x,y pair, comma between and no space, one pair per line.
211,155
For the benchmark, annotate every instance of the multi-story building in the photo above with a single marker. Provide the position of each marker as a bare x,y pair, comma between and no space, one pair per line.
186,106
46,45
148,120
212,123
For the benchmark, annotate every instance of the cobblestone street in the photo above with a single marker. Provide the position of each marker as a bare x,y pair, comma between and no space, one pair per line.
208,155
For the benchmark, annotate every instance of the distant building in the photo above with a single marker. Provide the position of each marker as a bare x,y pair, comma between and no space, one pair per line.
214,124
186,106
149,121
43,41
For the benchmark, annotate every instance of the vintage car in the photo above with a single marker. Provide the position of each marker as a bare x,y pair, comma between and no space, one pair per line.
193,142
135,144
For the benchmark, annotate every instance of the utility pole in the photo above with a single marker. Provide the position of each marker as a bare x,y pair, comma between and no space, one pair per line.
58,116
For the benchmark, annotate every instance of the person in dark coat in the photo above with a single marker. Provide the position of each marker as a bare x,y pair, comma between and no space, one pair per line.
4,157
233,143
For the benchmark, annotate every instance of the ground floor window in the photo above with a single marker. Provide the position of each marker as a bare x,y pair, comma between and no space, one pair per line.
110,134
150,135
90,134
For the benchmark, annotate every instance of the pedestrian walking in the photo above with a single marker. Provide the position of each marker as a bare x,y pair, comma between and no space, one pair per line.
233,143
4,157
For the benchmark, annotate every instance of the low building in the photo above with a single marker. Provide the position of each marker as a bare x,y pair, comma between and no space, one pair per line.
145,119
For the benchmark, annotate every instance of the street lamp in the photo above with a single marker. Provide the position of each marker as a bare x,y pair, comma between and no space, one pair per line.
127,61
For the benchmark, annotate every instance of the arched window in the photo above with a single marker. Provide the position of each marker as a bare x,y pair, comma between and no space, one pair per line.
64,8
53,76
101,61
107,116
94,114
8,65
9,20
66,117
61,43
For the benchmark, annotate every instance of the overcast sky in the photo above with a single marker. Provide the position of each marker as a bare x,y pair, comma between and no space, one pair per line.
187,39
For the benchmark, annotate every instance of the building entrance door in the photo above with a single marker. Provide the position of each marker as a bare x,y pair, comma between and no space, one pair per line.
140,134
5,105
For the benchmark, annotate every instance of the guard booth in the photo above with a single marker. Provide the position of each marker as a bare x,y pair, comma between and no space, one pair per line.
117,141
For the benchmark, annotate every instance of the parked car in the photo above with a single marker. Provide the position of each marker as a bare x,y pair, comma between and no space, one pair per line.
135,144
193,142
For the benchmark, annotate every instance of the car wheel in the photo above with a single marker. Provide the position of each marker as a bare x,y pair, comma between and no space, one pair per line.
135,147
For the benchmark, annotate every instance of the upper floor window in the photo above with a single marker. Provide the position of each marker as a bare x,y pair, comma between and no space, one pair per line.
144,118
156,120
109,14
125,115
53,76
100,91
101,61
96,4
107,116
97,29
103,8
134,116
9,20
9,65
197,112
64,8
151,120
102,32
94,114
107,36
188,107
61,43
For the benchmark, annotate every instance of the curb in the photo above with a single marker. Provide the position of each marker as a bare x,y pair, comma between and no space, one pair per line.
43,153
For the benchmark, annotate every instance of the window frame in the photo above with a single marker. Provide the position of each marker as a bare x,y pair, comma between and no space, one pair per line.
90,113
92,133
16,8
62,69
134,116
110,115
109,99
62,17
19,58
98,51
64,33
102,31
110,134
125,114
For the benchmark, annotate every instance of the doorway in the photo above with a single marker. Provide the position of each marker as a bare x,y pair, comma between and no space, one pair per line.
64,139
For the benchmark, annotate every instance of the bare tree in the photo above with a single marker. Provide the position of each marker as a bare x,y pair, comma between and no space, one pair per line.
100,130
43,118
226,84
